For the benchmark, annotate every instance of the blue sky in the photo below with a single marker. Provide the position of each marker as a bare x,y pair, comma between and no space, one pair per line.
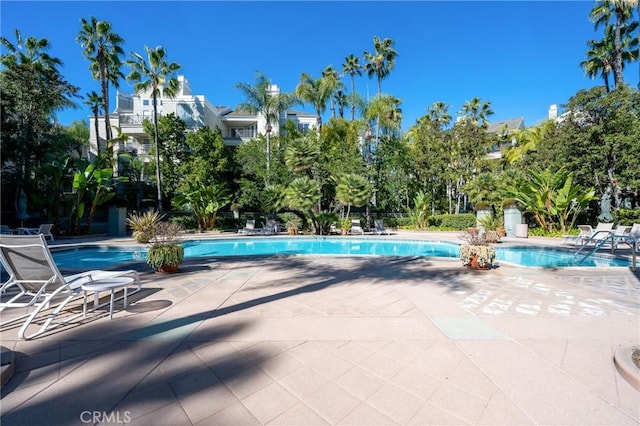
522,56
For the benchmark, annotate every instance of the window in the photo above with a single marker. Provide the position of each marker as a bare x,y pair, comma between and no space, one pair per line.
145,102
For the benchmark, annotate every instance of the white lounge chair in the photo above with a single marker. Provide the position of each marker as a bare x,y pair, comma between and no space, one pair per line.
44,229
35,281
270,227
356,228
589,235
380,229
250,228
4,229
631,238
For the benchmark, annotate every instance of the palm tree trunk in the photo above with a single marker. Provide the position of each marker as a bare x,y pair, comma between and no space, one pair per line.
155,137
618,78
353,98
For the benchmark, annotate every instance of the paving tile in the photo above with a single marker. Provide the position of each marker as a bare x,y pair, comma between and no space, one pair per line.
382,365
332,402
269,402
235,414
360,382
330,365
395,403
299,415
431,415
280,365
200,394
246,382
466,328
365,415
303,382
416,382
456,400
146,400
169,415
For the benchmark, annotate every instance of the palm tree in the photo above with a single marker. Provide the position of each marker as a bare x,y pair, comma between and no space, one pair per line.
439,114
103,48
477,111
331,79
260,98
94,101
342,100
621,11
316,92
157,75
352,67
381,61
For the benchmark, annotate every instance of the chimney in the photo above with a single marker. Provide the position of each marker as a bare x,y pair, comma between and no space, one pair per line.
553,112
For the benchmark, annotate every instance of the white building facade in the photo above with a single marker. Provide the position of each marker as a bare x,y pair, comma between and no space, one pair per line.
195,110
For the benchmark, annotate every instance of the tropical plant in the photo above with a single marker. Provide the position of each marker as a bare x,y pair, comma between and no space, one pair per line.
144,225
97,186
352,67
353,190
94,101
381,61
477,112
156,75
315,92
205,201
292,222
260,98
103,48
331,80
166,252
419,214
552,198
620,12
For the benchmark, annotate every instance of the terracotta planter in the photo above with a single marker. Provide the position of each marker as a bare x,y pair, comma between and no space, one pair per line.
473,263
168,269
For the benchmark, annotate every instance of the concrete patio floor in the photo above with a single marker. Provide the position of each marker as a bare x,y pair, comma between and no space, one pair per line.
314,340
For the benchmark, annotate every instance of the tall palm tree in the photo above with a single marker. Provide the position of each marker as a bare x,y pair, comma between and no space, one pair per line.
315,92
621,12
477,111
103,48
381,61
331,79
352,67
94,101
261,99
342,100
439,114
156,75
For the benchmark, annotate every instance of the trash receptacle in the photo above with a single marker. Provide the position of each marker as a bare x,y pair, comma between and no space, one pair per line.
522,230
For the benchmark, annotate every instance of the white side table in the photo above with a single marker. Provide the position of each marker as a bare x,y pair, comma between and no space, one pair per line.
111,284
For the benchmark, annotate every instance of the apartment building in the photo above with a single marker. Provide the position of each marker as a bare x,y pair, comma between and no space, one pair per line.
196,110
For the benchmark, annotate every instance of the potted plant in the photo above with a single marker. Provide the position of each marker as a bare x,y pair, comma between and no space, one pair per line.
166,252
345,225
292,223
492,225
236,208
476,252
144,225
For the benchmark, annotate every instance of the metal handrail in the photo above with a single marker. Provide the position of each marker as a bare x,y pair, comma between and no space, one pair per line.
600,243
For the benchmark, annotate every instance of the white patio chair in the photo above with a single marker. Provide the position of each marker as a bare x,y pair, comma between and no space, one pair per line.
44,229
35,281
356,228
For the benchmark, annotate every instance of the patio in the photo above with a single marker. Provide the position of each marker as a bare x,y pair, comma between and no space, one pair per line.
340,340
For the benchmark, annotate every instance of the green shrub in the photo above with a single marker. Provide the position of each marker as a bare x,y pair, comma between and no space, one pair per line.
629,216
456,222
185,221
144,225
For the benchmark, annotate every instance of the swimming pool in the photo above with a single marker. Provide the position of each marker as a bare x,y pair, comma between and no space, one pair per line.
100,257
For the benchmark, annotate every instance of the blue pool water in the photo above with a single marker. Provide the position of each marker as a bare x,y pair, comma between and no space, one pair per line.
95,258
